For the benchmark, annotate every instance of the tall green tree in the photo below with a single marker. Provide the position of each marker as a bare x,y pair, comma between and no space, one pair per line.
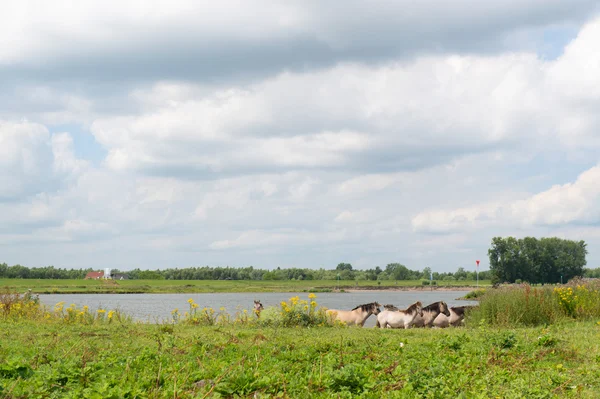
545,260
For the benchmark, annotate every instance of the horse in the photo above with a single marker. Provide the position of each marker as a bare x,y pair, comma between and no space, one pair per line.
258,307
391,307
455,318
356,316
399,318
430,312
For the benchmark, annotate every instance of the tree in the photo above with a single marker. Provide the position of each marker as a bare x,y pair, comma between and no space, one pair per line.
547,260
398,271
426,273
343,266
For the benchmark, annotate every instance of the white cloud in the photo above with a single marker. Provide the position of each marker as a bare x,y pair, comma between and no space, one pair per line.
571,203
317,154
32,161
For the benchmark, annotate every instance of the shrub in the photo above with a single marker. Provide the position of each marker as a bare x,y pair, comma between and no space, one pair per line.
425,282
475,294
527,306
15,306
296,312
516,306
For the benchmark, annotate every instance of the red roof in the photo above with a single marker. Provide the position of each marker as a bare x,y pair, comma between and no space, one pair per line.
95,275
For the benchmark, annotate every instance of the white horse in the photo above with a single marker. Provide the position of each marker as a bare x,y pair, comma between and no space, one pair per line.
356,316
430,313
399,318
455,319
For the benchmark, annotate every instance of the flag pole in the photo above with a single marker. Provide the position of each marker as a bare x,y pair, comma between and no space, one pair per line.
477,272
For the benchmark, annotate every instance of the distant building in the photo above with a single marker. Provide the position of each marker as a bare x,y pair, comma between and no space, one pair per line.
94,276
104,275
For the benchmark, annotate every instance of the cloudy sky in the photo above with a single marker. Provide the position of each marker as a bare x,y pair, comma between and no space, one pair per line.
295,133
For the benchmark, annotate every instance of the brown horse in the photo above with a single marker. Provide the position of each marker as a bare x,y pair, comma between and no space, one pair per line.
455,319
430,312
356,316
258,307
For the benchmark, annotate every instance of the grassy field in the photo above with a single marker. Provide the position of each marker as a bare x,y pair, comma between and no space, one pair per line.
182,361
200,286
294,351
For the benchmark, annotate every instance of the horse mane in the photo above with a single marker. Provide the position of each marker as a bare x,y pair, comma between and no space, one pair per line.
460,310
391,307
413,307
434,306
367,306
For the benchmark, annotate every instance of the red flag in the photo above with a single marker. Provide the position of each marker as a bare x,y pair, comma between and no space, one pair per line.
477,263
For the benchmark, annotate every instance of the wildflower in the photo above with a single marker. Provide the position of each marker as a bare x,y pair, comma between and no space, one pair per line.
402,344
101,311
110,314
311,296
190,301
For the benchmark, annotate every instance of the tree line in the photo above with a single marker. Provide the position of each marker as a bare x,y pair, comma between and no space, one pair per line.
343,271
544,260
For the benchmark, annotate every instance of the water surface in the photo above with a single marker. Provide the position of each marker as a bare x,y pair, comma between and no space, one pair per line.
155,308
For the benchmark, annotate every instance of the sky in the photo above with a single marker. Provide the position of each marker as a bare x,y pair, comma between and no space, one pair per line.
295,133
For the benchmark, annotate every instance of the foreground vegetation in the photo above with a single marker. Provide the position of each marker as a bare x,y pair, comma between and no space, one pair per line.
185,361
201,286
294,350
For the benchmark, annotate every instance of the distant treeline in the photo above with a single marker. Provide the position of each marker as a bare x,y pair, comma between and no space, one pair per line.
343,271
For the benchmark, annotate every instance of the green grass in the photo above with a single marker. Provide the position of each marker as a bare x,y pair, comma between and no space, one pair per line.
200,286
58,360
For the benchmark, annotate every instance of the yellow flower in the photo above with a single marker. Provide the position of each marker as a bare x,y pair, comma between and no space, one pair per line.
101,311
190,301
110,314
311,296
194,305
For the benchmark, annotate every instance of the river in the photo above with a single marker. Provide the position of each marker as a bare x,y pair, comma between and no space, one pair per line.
157,308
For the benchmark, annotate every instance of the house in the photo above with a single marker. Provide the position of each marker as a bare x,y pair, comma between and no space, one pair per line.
106,274
94,276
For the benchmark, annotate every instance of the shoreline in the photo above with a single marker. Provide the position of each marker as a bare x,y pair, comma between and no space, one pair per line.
424,288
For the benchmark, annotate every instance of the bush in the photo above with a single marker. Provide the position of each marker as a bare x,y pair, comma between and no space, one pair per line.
425,282
527,306
475,294
516,306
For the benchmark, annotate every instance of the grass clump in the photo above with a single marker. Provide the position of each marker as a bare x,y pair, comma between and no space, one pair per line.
531,306
475,294
294,312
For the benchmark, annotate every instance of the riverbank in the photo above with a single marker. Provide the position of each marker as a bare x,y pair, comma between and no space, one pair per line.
211,286
413,288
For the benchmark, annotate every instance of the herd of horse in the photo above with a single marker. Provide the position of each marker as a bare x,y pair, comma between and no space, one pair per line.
437,314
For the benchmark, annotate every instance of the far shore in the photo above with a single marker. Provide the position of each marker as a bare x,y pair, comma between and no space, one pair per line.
424,288
40,286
